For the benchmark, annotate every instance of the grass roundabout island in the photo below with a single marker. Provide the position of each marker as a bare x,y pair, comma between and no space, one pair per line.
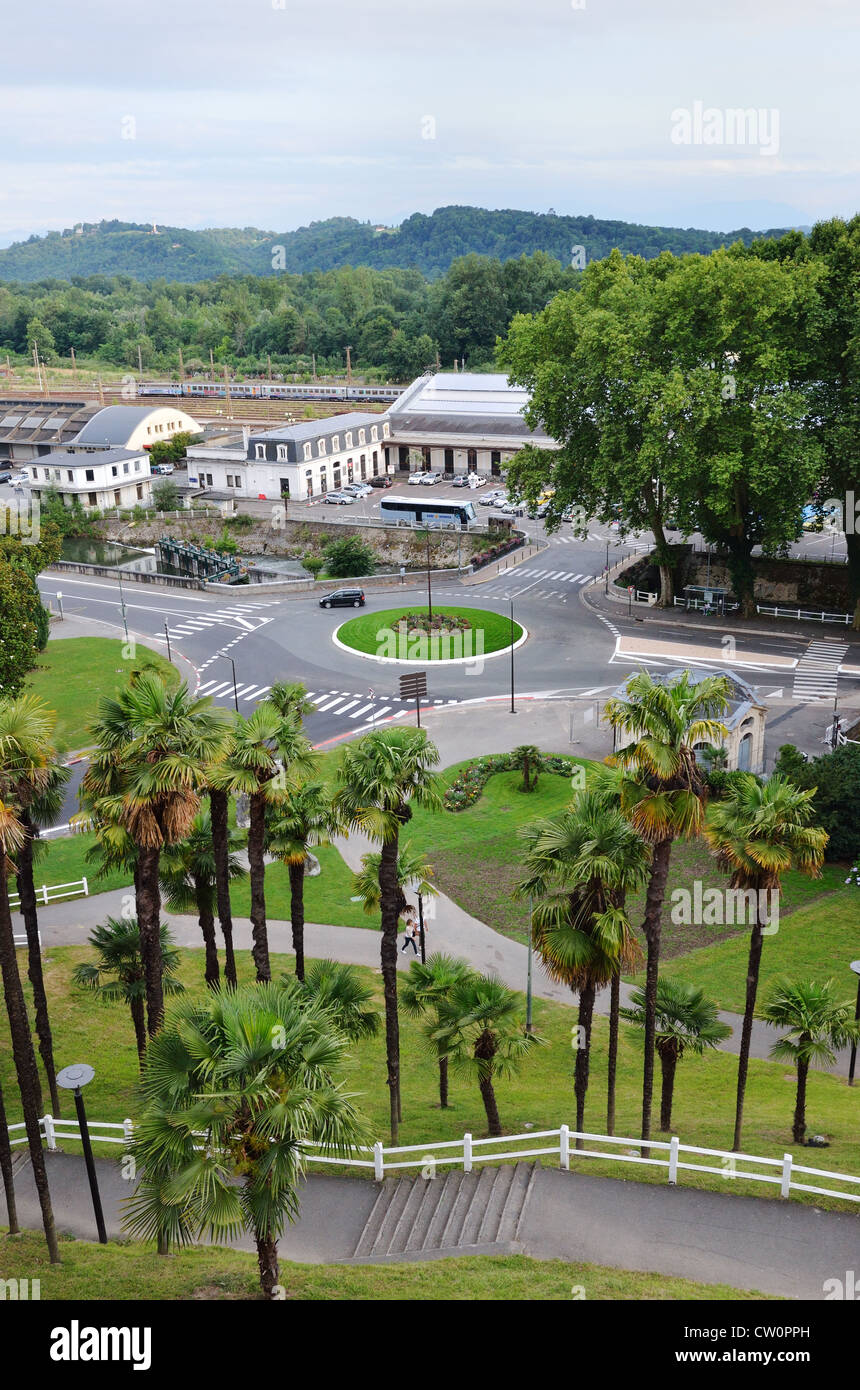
410,635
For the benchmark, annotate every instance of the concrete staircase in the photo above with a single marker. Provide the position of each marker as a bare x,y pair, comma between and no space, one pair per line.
458,1214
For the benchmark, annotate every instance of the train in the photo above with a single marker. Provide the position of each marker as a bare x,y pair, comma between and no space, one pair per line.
270,390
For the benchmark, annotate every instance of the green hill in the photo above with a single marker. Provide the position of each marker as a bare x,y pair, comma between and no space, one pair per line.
422,242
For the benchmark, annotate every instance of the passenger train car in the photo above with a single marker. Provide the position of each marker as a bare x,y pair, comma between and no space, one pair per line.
270,390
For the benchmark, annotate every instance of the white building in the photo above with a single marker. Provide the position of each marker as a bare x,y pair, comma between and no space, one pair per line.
135,426
101,478
304,460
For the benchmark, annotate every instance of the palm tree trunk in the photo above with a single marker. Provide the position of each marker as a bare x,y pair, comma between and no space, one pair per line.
149,924
218,807
583,1054
27,895
267,1259
652,928
297,915
206,918
257,866
799,1128
389,894
612,1067
488,1096
6,1170
25,1064
753,964
668,1063
137,1018
443,1083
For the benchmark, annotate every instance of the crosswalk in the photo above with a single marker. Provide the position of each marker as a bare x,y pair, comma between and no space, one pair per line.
816,673
244,617
364,705
539,583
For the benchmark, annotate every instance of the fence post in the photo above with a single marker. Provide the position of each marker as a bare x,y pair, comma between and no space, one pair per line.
564,1146
50,1137
467,1153
378,1162
86,888
44,892
128,1130
785,1185
673,1160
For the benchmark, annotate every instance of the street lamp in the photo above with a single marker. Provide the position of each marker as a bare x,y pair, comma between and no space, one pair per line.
167,637
513,706
235,689
529,975
855,966
421,923
74,1078
122,605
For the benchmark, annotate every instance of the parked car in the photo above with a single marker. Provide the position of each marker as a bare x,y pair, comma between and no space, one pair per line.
489,499
512,508
339,499
477,480
21,480
429,478
356,489
460,480
5,475
380,482
343,598
415,478
166,468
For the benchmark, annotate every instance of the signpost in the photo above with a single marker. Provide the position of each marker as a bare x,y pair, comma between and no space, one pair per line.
412,687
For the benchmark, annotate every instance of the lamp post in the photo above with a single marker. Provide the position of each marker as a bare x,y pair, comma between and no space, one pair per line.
855,966
167,639
74,1078
513,706
235,688
429,590
122,605
421,923
529,976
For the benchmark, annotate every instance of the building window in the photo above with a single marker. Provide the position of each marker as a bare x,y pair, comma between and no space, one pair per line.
308,451
449,460
90,477
426,457
375,464
495,463
117,497
125,468
336,478
374,434
348,439
140,492
285,488
92,499
361,437
137,465
282,453
70,475
113,471
335,443
47,473
472,458
403,456
260,451
363,467
321,447
385,431
229,479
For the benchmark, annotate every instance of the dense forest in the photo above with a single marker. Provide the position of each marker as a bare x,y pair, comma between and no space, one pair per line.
426,243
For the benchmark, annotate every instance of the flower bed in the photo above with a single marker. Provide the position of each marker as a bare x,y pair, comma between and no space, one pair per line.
469,784
440,622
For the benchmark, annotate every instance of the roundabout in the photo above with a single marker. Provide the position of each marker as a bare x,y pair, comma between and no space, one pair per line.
411,637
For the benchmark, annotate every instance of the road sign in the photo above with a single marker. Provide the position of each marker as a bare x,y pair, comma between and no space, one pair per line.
412,687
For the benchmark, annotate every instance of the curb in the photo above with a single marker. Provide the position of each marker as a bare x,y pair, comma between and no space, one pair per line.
430,664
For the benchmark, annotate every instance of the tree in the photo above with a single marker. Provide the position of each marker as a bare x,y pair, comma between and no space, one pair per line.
818,1026
686,1022
118,975
187,878
338,989
427,986
349,556
23,633
835,778
26,1071
165,495
528,757
380,777
145,774
481,1029
39,336
758,833
265,751
7,1171
256,1071
305,819
580,865
662,794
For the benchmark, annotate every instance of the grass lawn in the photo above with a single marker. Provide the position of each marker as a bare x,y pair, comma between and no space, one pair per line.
132,1271
541,1096
73,673
370,633
816,942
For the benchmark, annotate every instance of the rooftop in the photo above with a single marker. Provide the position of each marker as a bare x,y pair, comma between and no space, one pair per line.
482,403
318,429
742,697
115,424
73,457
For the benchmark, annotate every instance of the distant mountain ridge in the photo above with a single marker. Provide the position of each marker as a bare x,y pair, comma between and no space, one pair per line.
428,243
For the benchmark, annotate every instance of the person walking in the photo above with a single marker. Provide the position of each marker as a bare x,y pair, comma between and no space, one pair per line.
410,932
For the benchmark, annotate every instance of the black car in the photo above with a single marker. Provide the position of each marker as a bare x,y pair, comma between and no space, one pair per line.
5,475
343,598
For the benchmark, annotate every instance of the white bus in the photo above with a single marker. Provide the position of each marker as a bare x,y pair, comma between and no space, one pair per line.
406,512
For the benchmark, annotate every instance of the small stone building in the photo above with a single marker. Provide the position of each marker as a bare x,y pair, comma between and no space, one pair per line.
744,720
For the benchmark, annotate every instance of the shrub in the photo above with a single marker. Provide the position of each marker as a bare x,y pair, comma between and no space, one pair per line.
349,556
470,782
836,776
165,495
313,564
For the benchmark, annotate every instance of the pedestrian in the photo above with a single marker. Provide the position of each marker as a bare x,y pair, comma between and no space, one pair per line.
410,933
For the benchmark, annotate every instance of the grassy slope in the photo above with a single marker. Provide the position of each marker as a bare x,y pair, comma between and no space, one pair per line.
541,1096
72,674
134,1272
363,633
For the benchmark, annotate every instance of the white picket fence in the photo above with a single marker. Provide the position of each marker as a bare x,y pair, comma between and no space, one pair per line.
46,894
800,613
467,1153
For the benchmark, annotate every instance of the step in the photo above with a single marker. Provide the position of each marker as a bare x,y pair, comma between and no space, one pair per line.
406,1220
492,1218
474,1214
444,1203
462,1198
372,1226
398,1191
437,1194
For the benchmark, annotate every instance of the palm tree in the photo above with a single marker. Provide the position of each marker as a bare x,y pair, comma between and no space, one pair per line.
11,838
305,819
528,757
145,775
425,988
686,1022
219,815
413,872
662,794
33,779
338,989
481,1027
290,698
818,1026
6,1171
265,750
380,777
187,878
255,1070
580,865
117,975
758,833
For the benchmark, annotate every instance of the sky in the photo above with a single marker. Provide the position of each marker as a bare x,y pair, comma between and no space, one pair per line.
277,113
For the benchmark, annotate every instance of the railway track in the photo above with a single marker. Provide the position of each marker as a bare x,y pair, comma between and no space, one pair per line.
206,411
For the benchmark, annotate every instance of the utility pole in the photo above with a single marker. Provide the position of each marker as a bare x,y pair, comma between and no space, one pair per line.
269,364
314,364
36,363
181,366
226,394
348,367
429,590
211,365
74,367
139,361
100,390
513,705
